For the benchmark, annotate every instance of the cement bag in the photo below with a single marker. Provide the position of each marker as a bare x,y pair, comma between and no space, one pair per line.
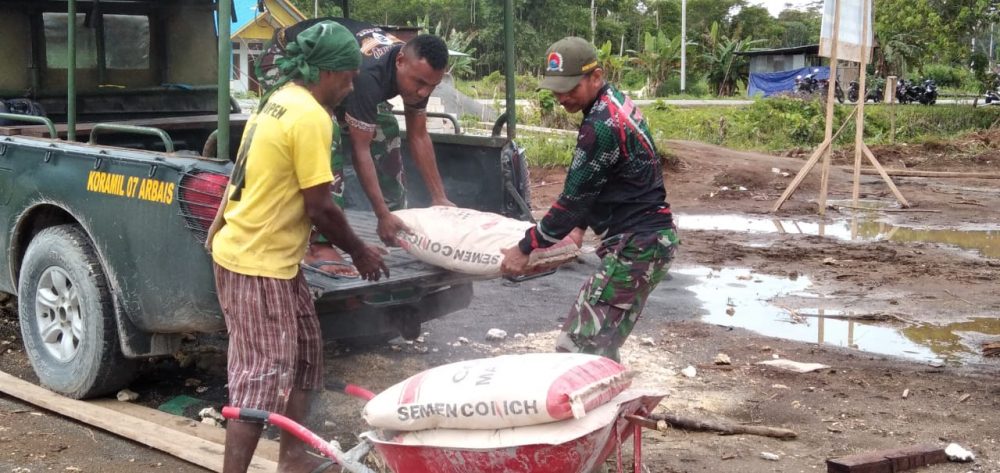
501,392
469,241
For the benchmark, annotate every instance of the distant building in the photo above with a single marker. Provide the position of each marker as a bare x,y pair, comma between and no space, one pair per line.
774,70
251,31
783,59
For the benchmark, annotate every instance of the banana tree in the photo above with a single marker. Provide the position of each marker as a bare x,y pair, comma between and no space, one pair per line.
613,64
659,58
721,61
896,53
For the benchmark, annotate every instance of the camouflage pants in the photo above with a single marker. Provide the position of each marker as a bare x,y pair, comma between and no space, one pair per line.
611,301
386,156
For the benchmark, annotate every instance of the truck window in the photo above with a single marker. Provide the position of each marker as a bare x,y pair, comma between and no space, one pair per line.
128,51
55,42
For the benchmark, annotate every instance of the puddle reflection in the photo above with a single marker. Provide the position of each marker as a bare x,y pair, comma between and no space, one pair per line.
985,240
738,298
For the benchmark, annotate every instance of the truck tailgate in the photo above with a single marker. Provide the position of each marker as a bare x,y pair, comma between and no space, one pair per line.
406,273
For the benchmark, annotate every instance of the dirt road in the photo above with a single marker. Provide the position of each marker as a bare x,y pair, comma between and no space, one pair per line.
892,302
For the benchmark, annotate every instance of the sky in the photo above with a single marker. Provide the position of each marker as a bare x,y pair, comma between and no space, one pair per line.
776,6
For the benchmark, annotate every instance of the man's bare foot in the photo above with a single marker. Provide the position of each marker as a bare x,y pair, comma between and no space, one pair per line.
328,259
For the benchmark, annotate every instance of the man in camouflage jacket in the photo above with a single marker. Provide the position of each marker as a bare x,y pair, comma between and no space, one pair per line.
614,186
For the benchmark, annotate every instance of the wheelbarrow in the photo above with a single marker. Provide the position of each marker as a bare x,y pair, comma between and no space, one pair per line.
571,446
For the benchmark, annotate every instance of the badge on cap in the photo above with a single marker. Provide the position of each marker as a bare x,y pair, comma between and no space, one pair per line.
555,62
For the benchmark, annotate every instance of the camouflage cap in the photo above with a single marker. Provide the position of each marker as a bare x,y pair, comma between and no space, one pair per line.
566,62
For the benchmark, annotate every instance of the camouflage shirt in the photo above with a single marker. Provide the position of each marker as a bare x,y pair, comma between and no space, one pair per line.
615,182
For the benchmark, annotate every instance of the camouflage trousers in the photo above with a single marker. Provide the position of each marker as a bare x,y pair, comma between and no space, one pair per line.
386,156
610,302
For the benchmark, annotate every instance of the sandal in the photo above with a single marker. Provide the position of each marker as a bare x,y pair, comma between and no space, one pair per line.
318,265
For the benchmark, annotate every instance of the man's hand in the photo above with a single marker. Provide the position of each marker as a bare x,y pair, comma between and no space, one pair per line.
444,202
389,227
514,262
369,262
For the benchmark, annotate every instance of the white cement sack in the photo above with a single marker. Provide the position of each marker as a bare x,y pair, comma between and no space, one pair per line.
469,241
496,393
553,433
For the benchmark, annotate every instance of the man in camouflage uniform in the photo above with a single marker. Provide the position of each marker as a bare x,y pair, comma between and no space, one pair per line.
615,187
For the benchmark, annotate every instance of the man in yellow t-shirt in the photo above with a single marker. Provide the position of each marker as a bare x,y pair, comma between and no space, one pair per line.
279,189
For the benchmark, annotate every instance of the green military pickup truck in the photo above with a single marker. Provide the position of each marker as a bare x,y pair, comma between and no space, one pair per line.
105,198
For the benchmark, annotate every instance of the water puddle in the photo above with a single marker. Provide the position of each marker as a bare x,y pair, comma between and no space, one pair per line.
985,240
739,298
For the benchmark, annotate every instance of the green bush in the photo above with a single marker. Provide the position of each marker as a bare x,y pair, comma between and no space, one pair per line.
672,86
633,80
944,75
547,150
777,124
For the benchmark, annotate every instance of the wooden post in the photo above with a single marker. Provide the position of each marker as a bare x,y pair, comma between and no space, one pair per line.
890,94
859,124
824,149
824,181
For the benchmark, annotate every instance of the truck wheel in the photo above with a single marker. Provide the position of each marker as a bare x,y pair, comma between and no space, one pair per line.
67,316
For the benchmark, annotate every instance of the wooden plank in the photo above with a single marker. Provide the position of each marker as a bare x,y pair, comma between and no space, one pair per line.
181,445
888,461
940,174
824,179
885,177
266,449
801,176
859,129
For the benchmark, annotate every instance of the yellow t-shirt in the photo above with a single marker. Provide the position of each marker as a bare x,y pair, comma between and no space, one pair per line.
285,148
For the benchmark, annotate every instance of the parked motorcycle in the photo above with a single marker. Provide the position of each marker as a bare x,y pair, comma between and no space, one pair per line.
874,94
810,84
907,92
910,92
838,92
993,96
928,92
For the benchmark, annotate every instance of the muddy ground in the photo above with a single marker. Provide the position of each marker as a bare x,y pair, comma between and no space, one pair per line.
902,307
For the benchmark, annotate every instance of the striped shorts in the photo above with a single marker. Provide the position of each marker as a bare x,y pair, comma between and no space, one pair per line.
274,338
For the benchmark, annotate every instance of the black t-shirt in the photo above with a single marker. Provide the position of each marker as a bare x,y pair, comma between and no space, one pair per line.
376,81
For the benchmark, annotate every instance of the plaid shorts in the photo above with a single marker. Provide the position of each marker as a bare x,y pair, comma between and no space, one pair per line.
275,341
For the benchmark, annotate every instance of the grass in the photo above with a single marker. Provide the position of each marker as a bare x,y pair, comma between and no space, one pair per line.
774,125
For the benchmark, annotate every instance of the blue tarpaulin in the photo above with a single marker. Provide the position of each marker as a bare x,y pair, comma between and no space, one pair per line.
770,83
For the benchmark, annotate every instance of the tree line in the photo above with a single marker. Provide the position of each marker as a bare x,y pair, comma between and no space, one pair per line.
640,39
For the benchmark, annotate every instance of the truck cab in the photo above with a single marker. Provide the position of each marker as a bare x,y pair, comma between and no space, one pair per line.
107,188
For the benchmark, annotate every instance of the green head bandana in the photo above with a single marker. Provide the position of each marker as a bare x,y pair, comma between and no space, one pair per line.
325,46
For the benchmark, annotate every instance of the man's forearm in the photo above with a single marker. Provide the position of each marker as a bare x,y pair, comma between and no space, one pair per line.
365,167
332,223
426,161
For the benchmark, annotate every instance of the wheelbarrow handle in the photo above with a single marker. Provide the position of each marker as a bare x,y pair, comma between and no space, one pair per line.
248,415
350,389
330,450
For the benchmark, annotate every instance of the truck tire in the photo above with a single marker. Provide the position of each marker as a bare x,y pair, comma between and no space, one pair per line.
67,316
